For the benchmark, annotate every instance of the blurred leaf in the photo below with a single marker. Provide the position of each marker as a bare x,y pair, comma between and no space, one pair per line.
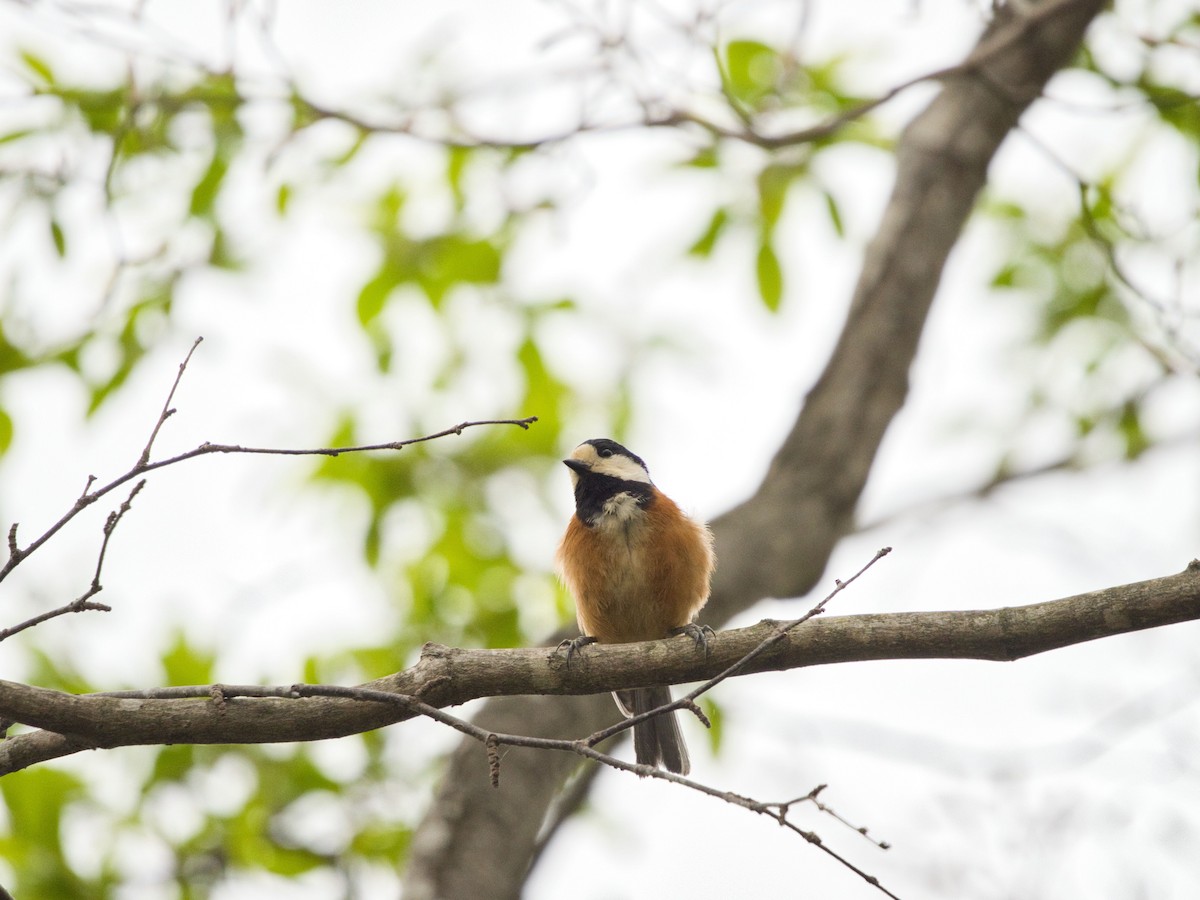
716,716
1130,427
457,159
449,260
59,239
770,277
752,71
1005,277
103,111
373,295
544,397
36,801
129,344
172,763
184,664
59,675
1177,108
220,255
386,842
204,194
706,157
703,247
37,66
773,183
835,214
16,135
6,431
12,357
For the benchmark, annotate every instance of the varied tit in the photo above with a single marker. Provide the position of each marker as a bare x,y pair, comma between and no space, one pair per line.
639,570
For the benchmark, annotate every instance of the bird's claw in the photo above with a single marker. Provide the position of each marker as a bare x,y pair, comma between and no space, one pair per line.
698,633
571,646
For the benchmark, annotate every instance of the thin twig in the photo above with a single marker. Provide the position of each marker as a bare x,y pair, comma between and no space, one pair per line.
17,554
83,603
222,693
493,739
167,411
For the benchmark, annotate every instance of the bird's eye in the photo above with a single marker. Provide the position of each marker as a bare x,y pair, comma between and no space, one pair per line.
604,454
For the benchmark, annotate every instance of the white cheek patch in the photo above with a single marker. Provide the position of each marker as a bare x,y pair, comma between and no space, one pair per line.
621,467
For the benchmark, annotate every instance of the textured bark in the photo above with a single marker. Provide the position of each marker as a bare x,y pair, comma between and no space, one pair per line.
447,676
475,841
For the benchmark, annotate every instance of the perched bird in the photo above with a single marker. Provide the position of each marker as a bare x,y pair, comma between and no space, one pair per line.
639,570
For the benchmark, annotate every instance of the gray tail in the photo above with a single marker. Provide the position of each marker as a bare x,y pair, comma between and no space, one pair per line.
657,741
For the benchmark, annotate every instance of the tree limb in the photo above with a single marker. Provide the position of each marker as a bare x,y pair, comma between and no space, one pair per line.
446,676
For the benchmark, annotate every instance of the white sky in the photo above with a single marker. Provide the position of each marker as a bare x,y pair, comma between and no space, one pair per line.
989,780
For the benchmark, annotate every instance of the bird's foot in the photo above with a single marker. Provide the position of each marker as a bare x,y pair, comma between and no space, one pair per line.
698,633
571,646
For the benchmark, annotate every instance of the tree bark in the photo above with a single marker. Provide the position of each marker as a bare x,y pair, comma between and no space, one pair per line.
447,676
476,841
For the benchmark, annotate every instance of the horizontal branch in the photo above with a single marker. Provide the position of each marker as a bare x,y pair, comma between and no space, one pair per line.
446,677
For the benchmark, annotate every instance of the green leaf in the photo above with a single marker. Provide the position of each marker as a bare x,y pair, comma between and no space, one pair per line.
374,294
544,397
103,111
12,357
835,214
16,135
59,239
773,182
38,67
35,799
770,277
1006,277
703,247
1130,427
456,164
6,431
705,158
1177,108
386,842
173,763
752,70
184,664
716,717
204,194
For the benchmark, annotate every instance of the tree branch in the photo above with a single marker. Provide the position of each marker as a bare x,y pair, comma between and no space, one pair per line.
446,677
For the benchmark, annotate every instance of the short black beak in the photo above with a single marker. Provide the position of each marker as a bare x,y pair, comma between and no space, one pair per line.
577,465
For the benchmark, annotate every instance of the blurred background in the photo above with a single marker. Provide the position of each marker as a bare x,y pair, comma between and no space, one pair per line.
388,218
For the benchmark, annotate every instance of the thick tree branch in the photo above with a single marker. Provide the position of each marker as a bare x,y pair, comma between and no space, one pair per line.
448,677
476,841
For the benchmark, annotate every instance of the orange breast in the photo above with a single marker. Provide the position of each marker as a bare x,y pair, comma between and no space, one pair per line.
637,582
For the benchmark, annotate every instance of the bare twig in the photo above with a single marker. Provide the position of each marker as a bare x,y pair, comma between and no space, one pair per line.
167,411
17,554
492,740
78,605
83,603
811,797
